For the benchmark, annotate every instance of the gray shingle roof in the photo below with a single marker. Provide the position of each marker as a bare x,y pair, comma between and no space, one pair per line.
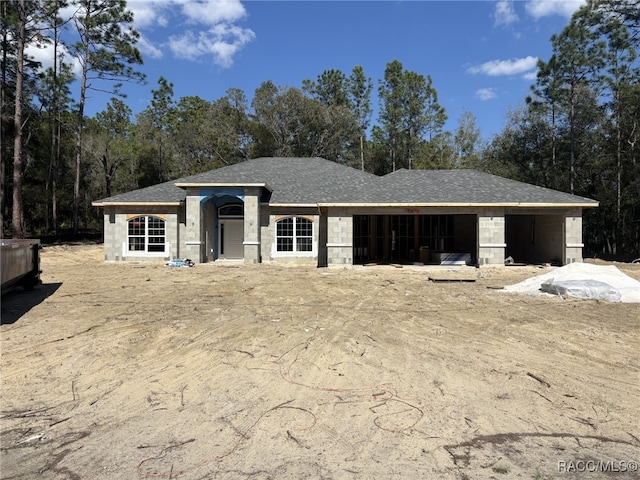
467,186
296,180
312,181
162,193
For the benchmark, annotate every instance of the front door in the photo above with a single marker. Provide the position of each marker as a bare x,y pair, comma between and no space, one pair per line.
231,240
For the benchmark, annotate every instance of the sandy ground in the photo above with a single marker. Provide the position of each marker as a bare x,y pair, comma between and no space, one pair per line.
134,371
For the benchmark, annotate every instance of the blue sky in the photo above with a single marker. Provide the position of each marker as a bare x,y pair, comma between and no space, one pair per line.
481,55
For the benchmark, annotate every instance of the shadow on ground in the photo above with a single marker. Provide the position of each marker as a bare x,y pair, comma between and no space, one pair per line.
17,302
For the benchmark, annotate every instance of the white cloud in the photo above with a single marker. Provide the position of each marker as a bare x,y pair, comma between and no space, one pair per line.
504,13
544,8
44,55
208,28
211,28
147,48
486,93
213,12
154,13
149,14
533,75
496,68
222,41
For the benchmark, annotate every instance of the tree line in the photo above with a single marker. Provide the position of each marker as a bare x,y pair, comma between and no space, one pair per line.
576,132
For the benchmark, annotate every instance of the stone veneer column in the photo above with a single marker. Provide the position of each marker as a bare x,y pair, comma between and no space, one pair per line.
252,225
339,238
491,238
573,237
193,230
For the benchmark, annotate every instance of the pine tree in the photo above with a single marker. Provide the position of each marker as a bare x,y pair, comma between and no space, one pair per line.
106,52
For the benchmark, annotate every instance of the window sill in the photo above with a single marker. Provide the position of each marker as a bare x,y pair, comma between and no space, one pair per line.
294,254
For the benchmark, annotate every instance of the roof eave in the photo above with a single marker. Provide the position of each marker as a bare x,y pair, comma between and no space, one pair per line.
136,204
222,184
293,205
458,204
561,205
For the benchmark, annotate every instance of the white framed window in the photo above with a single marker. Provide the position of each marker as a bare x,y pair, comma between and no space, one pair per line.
146,234
294,234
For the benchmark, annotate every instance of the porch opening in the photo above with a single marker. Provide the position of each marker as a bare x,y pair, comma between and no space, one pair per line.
413,238
535,239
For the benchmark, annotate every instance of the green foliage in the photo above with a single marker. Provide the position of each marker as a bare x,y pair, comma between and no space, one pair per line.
409,109
106,42
467,142
346,102
286,122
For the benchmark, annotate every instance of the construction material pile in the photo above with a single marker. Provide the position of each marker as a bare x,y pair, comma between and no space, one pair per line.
180,262
583,280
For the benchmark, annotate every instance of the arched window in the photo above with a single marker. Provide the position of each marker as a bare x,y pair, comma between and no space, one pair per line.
146,234
294,234
231,210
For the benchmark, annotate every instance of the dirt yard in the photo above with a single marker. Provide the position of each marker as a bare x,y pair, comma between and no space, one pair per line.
140,371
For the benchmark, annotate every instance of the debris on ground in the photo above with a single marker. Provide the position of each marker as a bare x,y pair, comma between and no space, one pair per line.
180,262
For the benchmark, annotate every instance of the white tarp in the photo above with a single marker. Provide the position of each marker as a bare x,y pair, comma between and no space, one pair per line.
583,280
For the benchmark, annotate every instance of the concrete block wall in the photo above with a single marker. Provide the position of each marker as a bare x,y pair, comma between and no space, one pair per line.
252,250
112,236
491,238
192,246
573,237
268,219
267,233
339,237
116,231
208,220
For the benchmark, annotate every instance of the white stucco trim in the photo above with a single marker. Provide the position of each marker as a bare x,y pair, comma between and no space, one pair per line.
492,245
251,242
193,242
340,245
457,205
136,204
218,184
575,245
